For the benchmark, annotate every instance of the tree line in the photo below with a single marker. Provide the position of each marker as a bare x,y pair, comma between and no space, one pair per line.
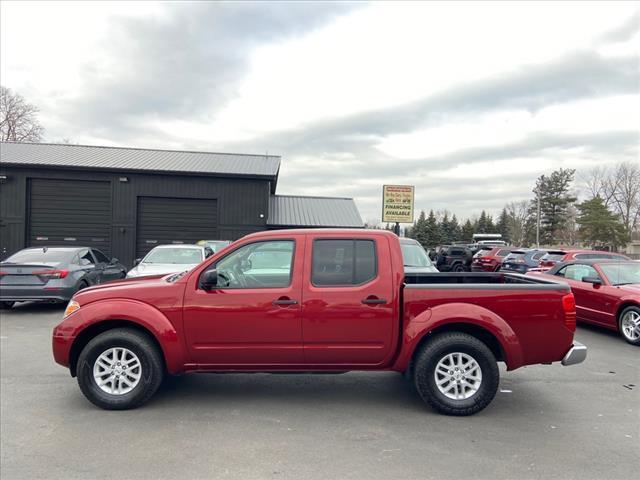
607,216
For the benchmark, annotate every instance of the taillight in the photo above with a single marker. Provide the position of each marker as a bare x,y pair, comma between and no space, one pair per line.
2,272
52,273
569,307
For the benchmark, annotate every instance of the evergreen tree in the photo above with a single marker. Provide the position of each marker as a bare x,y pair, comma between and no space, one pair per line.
466,232
502,227
481,226
490,227
418,231
598,225
555,199
456,232
445,229
432,230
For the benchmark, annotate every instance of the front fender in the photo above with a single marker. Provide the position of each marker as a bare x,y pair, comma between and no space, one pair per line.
459,313
134,311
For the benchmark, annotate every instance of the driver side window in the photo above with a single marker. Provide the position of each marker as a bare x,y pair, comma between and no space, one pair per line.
257,265
578,272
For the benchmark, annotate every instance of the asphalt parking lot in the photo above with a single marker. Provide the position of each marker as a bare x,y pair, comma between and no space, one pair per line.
546,422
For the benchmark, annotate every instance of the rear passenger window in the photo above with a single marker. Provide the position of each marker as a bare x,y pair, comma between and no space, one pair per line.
343,262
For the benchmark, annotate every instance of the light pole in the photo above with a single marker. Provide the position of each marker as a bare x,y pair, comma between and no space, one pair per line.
538,223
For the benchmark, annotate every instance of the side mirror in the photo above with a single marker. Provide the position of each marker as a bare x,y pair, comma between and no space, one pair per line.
114,261
596,281
209,279
137,261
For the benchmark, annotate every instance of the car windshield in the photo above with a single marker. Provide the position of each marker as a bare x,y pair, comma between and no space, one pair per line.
41,256
415,256
180,256
622,273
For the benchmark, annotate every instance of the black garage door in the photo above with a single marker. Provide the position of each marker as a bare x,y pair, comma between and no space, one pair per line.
163,221
70,212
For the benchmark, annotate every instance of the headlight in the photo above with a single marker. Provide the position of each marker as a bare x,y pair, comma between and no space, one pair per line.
72,307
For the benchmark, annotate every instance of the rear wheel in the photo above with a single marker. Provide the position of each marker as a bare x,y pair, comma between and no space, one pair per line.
458,267
629,325
82,285
120,369
456,374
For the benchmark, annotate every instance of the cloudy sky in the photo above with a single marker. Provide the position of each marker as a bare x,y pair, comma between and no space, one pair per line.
469,102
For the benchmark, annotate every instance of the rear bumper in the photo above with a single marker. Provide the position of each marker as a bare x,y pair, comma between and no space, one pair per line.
37,293
576,354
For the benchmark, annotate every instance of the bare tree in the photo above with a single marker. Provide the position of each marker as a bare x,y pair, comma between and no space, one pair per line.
517,214
18,118
619,189
626,197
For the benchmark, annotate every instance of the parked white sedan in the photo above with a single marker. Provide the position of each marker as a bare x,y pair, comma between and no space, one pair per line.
165,259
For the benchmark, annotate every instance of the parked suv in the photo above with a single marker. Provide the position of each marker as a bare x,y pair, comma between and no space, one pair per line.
454,258
490,260
556,256
520,261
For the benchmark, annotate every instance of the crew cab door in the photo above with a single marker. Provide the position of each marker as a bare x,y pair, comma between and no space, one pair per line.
349,314
253,316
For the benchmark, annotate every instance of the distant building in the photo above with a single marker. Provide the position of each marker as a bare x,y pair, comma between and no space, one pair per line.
125,201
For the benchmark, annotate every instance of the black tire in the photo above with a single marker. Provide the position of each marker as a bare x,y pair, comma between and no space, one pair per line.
458,267
437,349
82,285
152,368
627,311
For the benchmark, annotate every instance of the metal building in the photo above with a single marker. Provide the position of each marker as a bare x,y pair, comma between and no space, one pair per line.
125,201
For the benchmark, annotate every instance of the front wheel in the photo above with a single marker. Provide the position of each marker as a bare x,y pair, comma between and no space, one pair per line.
629,325
456,374
458,267
120,369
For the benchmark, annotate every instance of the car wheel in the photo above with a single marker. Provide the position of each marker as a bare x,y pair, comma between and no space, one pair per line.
629,325
82,285
458,267
456,374
7,305
120,369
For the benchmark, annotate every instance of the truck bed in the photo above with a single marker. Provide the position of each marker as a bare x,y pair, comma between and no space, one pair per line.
479,279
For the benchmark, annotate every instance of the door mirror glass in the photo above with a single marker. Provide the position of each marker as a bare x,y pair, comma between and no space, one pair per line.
114,261
209,279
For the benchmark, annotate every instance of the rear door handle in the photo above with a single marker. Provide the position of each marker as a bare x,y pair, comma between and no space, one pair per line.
285,301
373,300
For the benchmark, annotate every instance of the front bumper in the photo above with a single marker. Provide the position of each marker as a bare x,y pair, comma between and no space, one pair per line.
576,354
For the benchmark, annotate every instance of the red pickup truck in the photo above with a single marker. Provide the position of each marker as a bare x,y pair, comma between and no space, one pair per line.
316,301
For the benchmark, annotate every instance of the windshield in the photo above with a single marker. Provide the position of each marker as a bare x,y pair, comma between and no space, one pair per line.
43,256
621,273
415,256
180,256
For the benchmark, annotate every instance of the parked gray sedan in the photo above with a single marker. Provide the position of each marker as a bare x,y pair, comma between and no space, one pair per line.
54,274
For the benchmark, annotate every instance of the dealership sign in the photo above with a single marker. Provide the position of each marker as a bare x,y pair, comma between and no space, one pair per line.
397,203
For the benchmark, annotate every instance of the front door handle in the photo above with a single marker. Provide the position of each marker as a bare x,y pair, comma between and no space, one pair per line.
285,301
373,300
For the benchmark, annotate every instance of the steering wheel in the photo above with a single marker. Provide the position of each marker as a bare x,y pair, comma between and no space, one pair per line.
238,274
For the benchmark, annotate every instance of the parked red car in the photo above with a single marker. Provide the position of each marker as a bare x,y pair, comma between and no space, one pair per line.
490,260
320,301
561,256
607,293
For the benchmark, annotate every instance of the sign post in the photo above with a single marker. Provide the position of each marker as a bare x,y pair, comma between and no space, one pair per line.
397,205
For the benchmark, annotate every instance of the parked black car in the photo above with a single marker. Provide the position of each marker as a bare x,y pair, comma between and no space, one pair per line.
454,258
54,274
